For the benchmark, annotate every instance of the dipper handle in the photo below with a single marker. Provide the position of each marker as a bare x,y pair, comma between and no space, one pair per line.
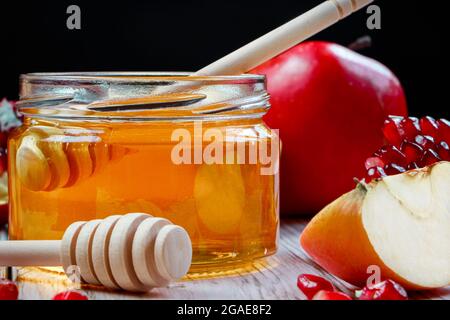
30,253
256,52
288,35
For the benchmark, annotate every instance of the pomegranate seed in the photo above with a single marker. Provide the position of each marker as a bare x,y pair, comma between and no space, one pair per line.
412,166
409,128
310,284
70,295
391,132
444,130
429,157
374,162
8,290
385,290
392,168
426,142
429,126
375,173
443,151
390,154
331,295
412,151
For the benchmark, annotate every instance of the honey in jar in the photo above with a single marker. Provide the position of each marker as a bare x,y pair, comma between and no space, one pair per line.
190,149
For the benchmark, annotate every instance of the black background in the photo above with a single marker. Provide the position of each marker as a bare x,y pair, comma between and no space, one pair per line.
156,35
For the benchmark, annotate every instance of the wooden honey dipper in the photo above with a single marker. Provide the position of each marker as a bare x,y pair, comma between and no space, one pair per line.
134,252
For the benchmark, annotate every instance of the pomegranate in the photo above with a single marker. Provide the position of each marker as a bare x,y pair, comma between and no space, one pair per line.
412,144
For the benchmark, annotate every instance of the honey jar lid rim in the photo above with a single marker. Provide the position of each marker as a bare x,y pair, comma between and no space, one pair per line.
142,96
137,76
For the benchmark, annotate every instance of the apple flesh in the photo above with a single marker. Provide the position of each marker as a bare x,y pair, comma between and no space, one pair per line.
330,104
399,223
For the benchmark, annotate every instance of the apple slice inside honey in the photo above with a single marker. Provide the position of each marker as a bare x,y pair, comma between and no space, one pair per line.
99,152
48,158
33,168
81,166
219,193
51,145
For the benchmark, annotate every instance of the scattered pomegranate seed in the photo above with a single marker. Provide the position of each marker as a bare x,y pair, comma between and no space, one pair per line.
70,295
409,128
310,284
330,295
385,290
429,126
8,290
443,151
391,132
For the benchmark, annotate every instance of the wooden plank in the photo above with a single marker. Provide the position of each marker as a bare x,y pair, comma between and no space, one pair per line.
271,278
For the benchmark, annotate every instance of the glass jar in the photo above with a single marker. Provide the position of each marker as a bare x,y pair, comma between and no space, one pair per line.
190,149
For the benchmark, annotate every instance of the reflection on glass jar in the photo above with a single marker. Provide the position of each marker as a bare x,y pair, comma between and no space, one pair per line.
208,164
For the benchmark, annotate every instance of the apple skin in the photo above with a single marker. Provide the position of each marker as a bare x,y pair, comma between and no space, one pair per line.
330,104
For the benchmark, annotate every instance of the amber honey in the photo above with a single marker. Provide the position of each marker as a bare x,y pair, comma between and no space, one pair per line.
64,170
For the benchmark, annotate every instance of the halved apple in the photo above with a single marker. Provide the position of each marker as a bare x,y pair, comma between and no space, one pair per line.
400,223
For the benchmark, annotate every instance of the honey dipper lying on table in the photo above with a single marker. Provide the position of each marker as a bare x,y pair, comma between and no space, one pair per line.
134,252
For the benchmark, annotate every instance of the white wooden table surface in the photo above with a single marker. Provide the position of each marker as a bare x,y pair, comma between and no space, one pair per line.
271,278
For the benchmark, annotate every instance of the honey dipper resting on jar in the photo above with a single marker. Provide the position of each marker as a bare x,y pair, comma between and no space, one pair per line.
134,252
46,160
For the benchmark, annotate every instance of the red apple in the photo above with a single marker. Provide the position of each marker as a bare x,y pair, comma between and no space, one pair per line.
329,103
